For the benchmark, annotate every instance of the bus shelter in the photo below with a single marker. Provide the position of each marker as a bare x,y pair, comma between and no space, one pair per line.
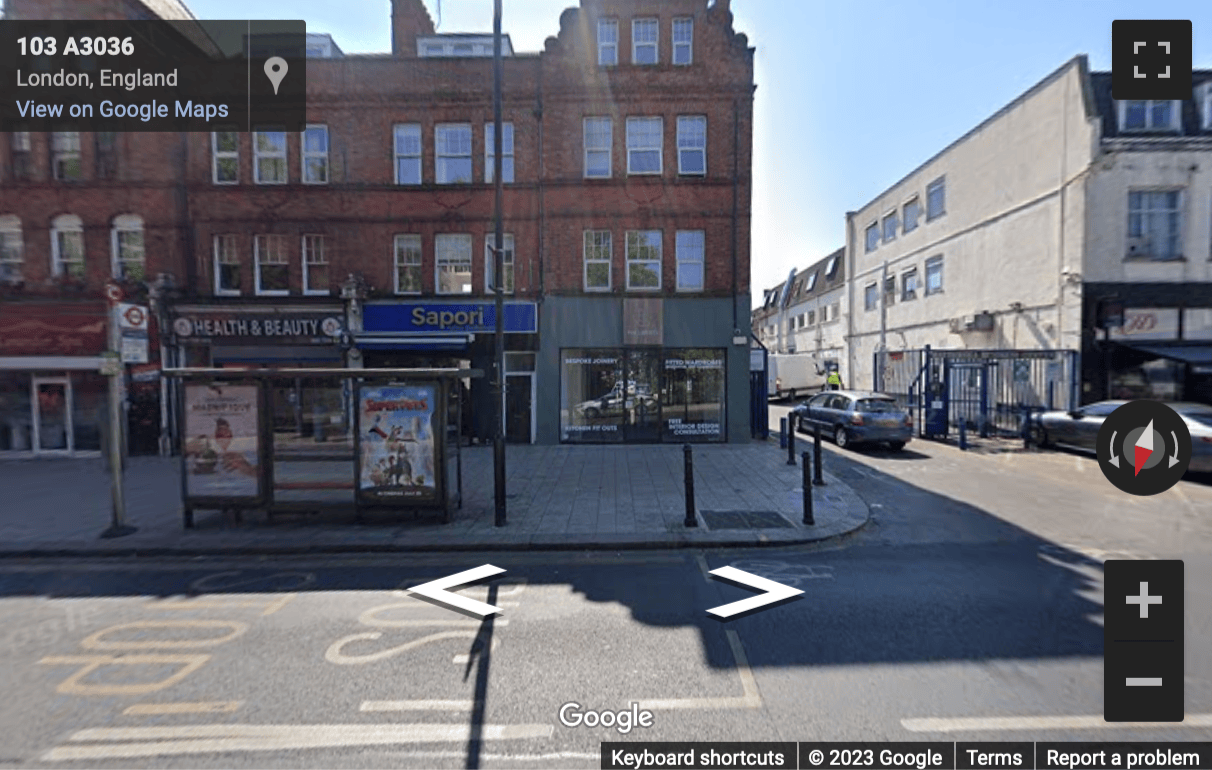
309,440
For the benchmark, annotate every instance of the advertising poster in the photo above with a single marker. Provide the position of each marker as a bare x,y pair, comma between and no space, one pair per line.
222,452
396,442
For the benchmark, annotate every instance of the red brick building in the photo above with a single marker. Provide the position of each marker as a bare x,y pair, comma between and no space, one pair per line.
626,209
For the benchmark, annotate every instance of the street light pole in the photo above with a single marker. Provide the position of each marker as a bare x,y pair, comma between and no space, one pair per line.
498,272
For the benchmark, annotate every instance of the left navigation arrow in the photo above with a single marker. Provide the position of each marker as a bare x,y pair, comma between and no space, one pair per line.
436,590
775,592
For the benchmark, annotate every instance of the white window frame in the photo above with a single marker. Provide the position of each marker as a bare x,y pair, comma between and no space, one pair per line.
440,137
683,247
445,242
1175,115
608,148
871,244
687,45
218,155
408,246
507,161
65,147
608,45
659,149
869,291
12,249
262,256
937,184
259,155
1154,255
126,223
591,243
407,131
932,262
660,260
306,155
655,43
916,203
226,252
509,263
686,143
64,225
314,247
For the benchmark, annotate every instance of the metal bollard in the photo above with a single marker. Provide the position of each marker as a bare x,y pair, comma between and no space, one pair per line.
817,478
790,441
963,435
687,454
782,433
808,517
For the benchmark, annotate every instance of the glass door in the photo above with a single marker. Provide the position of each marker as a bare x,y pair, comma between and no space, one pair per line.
52,415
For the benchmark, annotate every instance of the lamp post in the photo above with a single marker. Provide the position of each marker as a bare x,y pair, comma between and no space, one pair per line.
498,273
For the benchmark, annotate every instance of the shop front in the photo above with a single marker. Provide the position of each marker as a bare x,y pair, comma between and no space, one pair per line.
52,395
642,370
430,334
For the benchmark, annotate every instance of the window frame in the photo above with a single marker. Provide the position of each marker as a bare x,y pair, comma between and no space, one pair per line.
126,223
660,149
687,44
609,148
305,252
659,260
269,238
511,273
636,25
701,261
439,157
939,184
407,240
608,260
606,24
259,155
702,150
218,253
507,158
66,224
438,263
397,156
305,154
933,262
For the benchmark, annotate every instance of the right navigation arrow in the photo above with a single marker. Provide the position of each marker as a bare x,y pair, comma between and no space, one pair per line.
775,592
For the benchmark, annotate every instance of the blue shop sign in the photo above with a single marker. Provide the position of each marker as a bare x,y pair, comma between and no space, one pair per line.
449,317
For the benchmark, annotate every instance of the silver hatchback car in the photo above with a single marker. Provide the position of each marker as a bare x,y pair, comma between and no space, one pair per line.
856,417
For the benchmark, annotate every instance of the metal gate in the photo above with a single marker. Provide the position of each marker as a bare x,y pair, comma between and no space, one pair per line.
985,390
759,414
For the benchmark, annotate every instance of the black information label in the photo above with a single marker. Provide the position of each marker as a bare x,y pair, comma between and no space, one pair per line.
153,75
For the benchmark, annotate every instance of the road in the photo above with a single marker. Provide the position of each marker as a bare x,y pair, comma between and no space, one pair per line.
970,609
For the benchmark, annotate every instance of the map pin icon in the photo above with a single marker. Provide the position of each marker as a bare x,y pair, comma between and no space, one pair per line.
275,70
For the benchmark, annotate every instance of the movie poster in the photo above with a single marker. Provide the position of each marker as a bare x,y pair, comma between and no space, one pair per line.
222,457
397,443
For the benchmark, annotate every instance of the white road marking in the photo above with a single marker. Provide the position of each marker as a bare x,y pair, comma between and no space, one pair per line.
417,705
982,724
197,707
206,739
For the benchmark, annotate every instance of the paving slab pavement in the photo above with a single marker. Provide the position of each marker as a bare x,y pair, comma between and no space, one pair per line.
558,497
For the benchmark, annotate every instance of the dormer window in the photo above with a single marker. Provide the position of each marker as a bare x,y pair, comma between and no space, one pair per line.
1149,115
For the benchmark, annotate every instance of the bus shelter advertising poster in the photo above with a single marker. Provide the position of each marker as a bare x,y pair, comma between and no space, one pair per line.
398,460
222,446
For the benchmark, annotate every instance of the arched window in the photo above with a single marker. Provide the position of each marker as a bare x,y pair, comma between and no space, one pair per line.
67,246
126,244
12,252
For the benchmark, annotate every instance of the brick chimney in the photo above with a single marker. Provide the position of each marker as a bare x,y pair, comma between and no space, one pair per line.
409,19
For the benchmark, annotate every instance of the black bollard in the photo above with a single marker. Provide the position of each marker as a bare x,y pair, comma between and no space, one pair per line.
818,479
687,455
808,517
790,441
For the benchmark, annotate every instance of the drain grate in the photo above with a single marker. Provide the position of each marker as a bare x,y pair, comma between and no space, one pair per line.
744,520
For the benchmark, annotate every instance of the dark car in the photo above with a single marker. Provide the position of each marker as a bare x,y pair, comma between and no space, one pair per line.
856,417
1079,428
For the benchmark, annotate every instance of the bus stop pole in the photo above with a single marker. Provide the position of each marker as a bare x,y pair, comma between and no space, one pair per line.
498,273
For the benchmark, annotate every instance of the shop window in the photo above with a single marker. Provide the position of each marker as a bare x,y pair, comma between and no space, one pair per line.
490,263
227,266
129,256
270,150
67,246
315,265
408,264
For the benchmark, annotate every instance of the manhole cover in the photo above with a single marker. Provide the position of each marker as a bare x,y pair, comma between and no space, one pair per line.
744,520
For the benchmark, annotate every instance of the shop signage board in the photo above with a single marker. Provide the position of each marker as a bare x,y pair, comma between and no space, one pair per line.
223,454
251,327
400,445
449,317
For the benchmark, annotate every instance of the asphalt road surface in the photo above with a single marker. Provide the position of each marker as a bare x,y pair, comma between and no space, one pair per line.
970,609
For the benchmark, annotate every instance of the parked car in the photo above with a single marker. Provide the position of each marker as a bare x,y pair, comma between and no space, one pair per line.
1079,429
639,396
856,417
